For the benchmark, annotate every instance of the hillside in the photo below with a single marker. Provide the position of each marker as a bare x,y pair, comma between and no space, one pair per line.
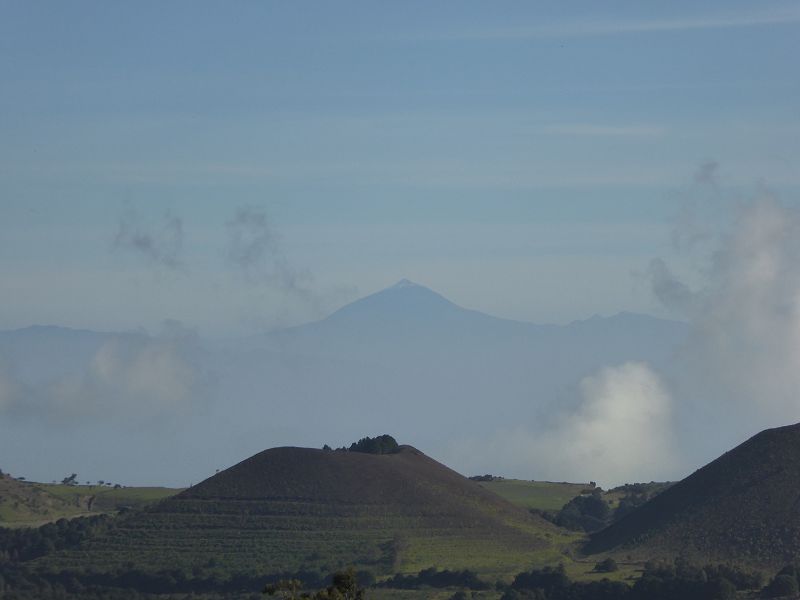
99,498
742,507
287,509
22,503
30,504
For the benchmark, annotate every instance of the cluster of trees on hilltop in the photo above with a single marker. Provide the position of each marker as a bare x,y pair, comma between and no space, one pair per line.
382,444
487,477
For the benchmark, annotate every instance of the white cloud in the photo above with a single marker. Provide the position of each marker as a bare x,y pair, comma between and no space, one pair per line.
594,130
746,320
620,431
780,15
129,379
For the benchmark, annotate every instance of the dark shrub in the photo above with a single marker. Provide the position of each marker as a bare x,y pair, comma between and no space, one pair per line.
609,565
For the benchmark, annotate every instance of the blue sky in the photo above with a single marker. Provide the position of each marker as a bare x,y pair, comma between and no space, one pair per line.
523,158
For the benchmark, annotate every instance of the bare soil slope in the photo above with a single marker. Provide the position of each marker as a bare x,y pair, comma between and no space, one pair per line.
744,507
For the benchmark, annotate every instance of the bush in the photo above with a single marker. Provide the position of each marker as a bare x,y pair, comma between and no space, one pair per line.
584,513
609,565
435,578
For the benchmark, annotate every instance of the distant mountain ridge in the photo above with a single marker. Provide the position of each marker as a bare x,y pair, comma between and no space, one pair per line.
412,314
405,356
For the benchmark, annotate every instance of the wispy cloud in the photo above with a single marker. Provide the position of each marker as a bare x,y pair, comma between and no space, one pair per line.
584,129
159,244
254,248
783,15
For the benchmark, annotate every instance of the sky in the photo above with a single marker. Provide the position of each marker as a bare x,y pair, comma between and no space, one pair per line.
207,171
526,161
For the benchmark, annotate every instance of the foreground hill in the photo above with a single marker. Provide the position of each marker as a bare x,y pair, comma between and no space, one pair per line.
287,509
743,507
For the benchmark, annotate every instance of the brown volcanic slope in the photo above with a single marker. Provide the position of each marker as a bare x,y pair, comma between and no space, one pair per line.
286,509
743,507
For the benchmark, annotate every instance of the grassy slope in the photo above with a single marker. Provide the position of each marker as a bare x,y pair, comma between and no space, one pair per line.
23,503
293,508
30,504
106,498
541,495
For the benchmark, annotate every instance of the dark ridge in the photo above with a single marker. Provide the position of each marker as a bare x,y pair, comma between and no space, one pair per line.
743,507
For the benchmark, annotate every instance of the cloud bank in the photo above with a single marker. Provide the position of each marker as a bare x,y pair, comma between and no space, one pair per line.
129,379
737,373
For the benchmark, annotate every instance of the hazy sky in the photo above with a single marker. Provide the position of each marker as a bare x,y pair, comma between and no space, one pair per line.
244,167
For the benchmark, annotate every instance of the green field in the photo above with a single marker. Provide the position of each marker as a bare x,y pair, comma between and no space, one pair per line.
30,504
539,495
23,503
104,498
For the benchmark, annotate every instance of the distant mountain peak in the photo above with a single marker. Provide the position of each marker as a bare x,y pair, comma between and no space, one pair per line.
404,283
405,300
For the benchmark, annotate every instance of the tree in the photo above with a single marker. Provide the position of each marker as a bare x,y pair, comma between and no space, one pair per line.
609,565
345,587
587,512
383,444
286,588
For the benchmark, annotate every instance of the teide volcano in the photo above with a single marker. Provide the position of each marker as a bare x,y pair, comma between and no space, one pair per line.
290,509
743,507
